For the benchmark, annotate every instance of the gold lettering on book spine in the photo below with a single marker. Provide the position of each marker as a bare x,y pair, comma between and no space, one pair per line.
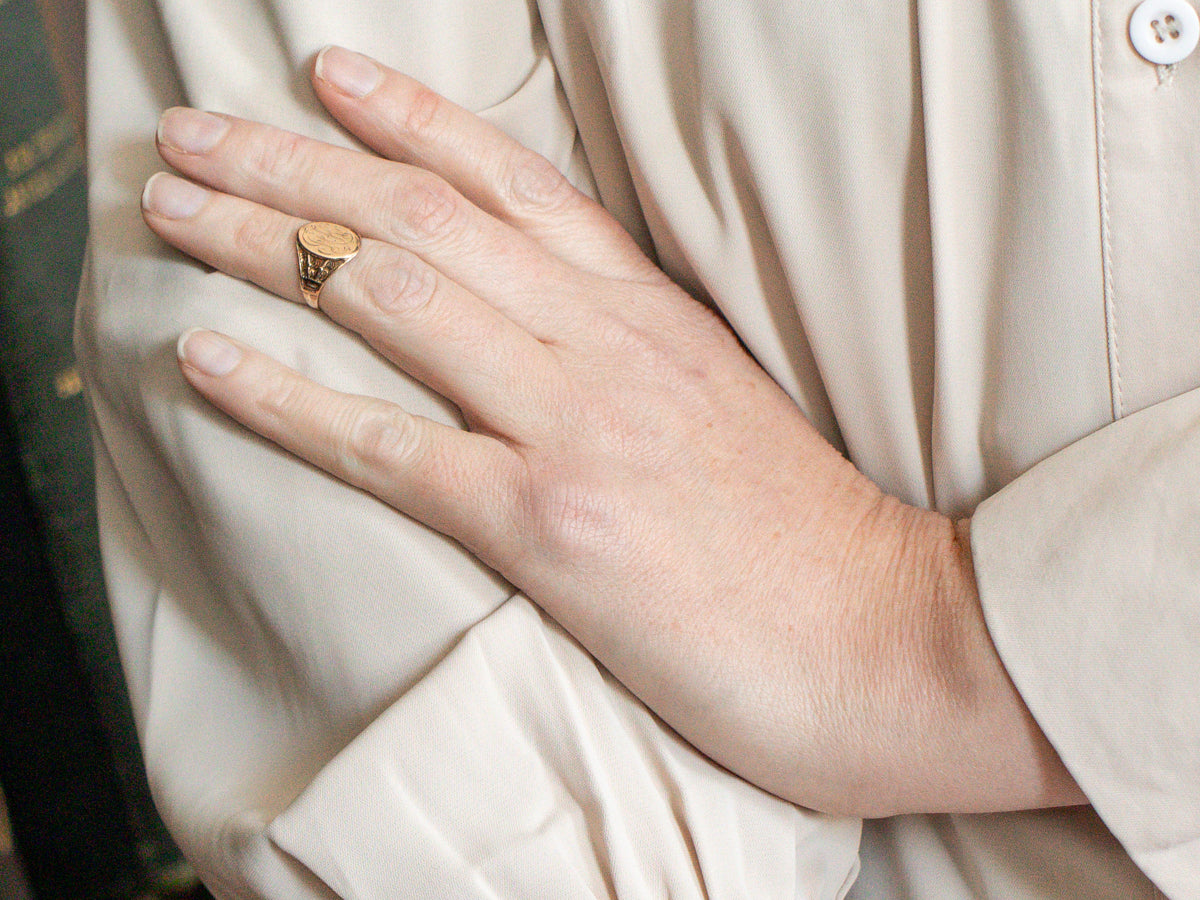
42,182
24,157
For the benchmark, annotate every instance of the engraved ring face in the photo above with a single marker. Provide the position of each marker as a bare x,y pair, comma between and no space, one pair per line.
321,248
329,240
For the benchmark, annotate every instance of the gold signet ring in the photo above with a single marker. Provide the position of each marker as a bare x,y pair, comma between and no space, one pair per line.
322,248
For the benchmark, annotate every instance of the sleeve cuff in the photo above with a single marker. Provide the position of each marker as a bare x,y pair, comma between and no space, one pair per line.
1088,569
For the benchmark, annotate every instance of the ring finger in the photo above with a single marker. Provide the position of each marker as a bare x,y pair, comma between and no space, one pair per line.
438,332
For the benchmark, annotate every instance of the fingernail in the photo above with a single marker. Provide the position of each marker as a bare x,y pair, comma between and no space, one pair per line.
208,352
349,72
191,131
171,197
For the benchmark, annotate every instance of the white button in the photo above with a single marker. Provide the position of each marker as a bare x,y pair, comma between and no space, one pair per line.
1164,31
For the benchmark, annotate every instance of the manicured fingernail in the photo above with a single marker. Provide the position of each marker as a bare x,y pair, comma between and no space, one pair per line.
191,131
208,352
349,72
171,197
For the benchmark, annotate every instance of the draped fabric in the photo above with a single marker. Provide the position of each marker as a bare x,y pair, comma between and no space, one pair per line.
926,221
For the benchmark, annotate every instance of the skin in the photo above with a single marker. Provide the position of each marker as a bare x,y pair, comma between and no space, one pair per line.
626,463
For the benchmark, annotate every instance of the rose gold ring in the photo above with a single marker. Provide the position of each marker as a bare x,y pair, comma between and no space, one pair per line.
321,249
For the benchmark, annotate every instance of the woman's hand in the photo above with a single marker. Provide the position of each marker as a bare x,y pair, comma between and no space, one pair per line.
627,465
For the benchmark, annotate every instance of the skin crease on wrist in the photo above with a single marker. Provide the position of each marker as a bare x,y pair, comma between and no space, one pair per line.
648,484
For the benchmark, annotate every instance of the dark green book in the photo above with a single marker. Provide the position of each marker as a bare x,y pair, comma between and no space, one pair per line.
81,812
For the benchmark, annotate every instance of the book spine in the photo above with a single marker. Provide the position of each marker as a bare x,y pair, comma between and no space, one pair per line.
56,602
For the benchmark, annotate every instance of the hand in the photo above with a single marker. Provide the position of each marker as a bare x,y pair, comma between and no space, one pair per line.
626,464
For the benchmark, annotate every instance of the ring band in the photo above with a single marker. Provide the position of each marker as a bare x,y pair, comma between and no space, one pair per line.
321,249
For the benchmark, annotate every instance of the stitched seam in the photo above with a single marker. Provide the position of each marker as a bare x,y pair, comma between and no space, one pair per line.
1110,312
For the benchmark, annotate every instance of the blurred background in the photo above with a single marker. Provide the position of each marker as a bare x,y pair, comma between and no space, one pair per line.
76,817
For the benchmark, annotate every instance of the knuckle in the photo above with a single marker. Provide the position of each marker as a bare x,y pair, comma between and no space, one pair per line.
534,181
573,517
256,236
425,116
638,348
426,207
380,440
281,397
279,159
403,285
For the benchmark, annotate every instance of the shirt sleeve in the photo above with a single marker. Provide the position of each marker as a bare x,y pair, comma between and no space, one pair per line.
1089,571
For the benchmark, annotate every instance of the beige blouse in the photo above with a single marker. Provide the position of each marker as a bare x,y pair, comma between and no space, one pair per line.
965,237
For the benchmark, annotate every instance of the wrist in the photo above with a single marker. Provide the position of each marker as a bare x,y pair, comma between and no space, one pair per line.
944,729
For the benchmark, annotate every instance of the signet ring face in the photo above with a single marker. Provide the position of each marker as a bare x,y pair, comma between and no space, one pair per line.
321,249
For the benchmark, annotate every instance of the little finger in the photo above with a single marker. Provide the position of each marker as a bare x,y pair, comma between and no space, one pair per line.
454,481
